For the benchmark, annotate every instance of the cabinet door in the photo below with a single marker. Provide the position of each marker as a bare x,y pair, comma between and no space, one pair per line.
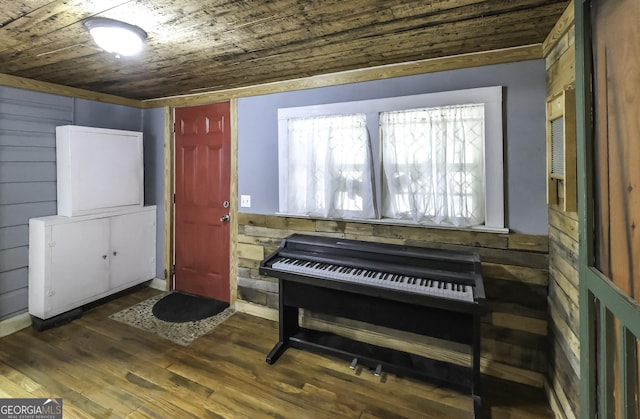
98,170
79,264
133,249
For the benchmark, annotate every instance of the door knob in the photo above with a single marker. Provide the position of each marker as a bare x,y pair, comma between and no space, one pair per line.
225,218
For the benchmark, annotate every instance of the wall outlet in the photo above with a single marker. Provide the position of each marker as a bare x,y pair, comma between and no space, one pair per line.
245,201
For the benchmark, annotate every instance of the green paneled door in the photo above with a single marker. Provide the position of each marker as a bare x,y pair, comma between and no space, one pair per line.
608,134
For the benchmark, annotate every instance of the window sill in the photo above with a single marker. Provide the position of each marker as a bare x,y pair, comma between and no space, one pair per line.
403,223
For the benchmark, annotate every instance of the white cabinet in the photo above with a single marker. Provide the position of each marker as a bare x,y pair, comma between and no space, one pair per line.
132,258
98,170
77,260
78,257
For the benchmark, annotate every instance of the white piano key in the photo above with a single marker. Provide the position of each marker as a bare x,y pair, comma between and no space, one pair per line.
387,280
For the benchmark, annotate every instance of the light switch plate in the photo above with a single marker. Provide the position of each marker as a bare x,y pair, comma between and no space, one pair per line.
245,201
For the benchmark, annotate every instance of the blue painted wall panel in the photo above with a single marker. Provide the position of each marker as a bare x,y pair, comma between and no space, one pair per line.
105,115
25,192
14,236
14,302
12,280
27,172
14,258
26,138
27,181
19,214
27,154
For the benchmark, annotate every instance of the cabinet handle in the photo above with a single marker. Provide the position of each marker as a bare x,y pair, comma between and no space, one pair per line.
104,256
115,253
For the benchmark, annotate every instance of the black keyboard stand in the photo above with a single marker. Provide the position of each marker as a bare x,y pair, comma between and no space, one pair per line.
454,321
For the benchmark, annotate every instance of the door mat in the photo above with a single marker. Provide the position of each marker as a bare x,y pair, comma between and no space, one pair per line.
141,316
179,307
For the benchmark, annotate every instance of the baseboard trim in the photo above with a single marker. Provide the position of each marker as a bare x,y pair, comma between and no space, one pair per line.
14,324
158,284
256,310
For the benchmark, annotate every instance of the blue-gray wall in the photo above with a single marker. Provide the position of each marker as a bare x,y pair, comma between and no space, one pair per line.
153,137
27,181
89,113
524,135
28,172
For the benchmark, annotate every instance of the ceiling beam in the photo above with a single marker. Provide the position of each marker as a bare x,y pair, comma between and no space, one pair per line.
501,56
58,89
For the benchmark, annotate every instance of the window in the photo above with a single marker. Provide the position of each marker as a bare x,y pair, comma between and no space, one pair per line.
432,159
329,167
433,167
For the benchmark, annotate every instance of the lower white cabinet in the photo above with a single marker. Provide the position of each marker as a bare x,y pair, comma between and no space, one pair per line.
76,260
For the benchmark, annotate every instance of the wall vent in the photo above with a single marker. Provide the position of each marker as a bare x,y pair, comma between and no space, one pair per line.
561,150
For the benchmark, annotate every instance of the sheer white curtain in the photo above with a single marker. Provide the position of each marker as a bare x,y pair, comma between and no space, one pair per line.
329,167
433,163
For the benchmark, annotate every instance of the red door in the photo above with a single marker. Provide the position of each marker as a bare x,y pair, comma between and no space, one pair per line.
202,200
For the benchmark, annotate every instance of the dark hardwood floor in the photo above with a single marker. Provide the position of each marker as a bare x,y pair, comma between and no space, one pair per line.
105,369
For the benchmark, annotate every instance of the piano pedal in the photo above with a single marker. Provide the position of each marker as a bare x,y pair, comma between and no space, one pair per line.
354,364
378,371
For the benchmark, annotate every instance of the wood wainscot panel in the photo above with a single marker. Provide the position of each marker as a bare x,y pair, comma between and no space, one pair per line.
416,236
562,377
564,241
567,222
564,382
565,336
516,348
529,242
524,274
561,73
563,261
257,240
567,286
567,308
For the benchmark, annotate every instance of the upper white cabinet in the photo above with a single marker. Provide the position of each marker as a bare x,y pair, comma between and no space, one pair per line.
98,170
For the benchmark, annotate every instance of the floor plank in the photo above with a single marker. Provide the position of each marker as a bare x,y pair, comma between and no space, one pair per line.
105,369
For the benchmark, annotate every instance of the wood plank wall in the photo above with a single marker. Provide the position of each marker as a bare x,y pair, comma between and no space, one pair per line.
562,381
515,270
27,182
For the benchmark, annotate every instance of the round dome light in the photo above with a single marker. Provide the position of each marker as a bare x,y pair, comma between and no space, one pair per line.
116,37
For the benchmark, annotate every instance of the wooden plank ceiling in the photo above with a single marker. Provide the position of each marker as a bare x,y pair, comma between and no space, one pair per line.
198,46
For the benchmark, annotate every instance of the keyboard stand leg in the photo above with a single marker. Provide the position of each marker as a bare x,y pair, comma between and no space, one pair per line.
275,353
288,326
477,407
476,391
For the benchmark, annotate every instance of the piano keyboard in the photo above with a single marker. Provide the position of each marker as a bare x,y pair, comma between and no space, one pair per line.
412,284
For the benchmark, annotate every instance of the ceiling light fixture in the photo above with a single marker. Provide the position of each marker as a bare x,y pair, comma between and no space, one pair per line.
115,36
